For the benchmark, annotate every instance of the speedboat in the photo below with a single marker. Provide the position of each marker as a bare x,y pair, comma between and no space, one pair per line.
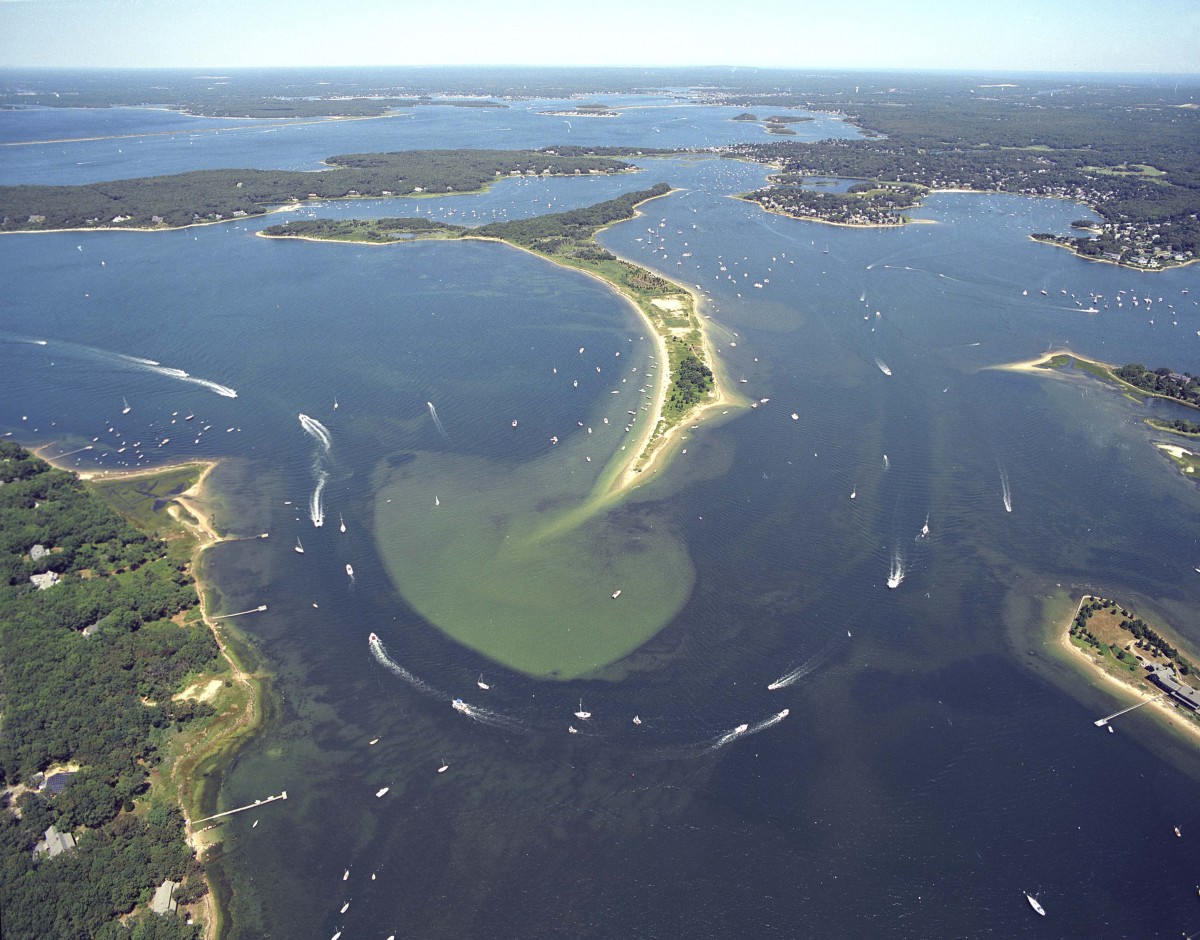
381,791
373,639
461,706
350,570
637,720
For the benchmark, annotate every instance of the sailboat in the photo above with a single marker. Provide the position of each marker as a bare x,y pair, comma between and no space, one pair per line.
444,767
581,713
126,409
481,683
299,547
1033,902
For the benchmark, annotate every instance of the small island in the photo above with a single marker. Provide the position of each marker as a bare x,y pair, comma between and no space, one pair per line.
568,238
1115,644
864,204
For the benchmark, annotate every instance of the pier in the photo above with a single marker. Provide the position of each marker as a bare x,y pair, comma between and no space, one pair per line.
241,613
241,809
1101,722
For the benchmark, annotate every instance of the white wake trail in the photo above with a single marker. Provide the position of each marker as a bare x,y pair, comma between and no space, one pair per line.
151,366
316,507
1006,490
769,722
437,422
317,430
896,571
380,653
722,739
806,668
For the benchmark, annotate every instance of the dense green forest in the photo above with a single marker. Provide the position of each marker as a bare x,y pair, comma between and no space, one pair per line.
213,195
101,701
1182,386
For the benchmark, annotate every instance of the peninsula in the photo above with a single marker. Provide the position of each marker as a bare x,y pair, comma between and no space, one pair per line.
568,238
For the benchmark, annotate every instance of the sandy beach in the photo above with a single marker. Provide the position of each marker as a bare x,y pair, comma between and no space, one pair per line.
1164,711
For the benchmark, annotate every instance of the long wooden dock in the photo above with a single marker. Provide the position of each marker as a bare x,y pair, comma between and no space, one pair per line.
241,809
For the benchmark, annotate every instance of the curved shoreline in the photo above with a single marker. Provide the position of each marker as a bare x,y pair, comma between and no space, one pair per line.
653,446
223,740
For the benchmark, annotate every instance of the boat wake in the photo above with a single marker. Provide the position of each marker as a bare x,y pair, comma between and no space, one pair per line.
316,508
380,653
1005,489
729,736
769,722
224,390
896,571
489,717
806,668
437,422
148,365
317,430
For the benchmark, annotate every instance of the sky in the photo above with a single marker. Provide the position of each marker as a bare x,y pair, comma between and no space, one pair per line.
1161,36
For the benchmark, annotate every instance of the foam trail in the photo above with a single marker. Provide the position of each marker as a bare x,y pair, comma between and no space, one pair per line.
769,722
723,739
317,430
1006,491
809,666
152,366
381,656
488,717
437,422
316,509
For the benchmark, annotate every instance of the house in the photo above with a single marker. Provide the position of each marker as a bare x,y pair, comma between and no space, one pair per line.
1165,678
54,843
56,783
44,581
162,902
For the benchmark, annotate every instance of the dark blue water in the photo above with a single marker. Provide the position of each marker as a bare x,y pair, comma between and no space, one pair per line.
937,760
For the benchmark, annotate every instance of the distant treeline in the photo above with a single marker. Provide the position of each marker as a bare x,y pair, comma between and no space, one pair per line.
1128,152
102,701
213,195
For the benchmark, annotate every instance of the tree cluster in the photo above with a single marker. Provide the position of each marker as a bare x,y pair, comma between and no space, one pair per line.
1182,386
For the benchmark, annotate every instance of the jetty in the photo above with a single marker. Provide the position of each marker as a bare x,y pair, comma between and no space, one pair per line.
241,613
241,809
1101,722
